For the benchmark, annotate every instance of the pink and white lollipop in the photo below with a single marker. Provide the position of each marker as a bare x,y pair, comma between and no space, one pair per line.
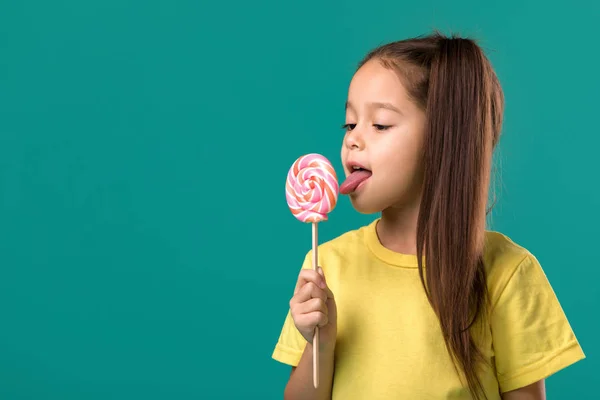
311,191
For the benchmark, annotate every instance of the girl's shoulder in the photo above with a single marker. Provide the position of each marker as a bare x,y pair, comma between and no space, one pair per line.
507,261
501,250
355,238
531,335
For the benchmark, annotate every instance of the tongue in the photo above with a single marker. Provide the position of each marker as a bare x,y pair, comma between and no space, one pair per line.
353,180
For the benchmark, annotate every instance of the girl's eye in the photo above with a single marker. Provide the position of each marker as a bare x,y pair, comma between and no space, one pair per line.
382,127
348,127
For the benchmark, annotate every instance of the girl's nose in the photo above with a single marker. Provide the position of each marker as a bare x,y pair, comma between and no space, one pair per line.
354,139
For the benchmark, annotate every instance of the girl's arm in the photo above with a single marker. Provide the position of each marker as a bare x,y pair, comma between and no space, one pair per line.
535,391
300,386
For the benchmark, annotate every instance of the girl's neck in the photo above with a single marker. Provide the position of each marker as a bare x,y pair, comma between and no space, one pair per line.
397,229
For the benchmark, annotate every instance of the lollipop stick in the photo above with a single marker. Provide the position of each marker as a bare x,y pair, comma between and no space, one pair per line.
315,243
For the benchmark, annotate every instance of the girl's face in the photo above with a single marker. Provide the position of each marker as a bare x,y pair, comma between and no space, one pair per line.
384,135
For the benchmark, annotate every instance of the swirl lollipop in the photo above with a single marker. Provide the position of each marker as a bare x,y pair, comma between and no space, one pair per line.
311,191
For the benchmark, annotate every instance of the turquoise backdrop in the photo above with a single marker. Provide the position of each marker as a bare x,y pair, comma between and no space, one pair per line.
146,249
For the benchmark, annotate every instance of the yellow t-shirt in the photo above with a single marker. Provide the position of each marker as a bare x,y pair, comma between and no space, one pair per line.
389,343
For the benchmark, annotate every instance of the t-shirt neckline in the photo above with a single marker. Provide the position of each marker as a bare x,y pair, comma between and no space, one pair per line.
383,253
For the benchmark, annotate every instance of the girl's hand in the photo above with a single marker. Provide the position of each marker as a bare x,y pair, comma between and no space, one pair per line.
313,305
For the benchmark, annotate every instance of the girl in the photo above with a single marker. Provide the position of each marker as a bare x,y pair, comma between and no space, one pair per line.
424,302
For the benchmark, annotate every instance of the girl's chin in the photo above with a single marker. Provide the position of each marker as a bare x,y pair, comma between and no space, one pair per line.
363,206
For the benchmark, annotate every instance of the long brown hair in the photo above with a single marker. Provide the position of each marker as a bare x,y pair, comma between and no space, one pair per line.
453,82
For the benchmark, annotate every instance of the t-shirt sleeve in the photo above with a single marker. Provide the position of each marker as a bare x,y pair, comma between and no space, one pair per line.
532,338
291,343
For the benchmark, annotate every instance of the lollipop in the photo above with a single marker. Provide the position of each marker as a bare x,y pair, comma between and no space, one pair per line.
311,191
311,188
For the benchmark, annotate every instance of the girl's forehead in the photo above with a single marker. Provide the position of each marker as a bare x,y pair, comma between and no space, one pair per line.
374,83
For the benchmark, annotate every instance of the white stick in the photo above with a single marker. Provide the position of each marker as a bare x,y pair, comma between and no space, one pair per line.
315,243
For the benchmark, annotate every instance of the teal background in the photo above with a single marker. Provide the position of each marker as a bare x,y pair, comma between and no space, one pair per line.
146,249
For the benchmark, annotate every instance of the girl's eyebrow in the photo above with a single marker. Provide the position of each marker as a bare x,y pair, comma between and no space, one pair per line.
387,106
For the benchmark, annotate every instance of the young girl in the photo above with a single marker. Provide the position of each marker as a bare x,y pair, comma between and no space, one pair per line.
424,302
